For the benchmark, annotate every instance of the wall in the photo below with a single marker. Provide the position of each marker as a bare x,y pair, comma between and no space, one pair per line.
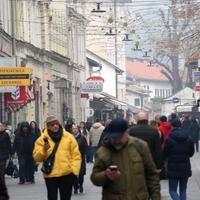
108,73
153,85
5,15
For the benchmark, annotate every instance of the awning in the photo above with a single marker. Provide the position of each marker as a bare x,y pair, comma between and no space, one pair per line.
108,98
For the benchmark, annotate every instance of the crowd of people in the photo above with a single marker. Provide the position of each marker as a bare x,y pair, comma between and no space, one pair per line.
130,157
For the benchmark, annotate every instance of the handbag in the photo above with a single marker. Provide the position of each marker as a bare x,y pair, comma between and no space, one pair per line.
10,168
48,163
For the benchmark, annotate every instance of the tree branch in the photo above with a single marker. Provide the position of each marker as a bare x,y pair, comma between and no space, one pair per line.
167,76
165,66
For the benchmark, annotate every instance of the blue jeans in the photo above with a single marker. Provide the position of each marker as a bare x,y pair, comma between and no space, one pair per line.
173,185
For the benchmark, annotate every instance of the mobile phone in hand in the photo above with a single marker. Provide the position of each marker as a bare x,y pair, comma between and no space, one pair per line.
46,141
113,167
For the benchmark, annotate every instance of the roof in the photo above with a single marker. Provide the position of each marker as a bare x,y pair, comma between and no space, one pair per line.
90,53
142,70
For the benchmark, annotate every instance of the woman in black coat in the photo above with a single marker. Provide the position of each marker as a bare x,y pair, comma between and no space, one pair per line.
5,149
178,149
82,143
23,146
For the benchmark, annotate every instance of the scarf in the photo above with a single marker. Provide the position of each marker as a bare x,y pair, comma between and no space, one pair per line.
56,137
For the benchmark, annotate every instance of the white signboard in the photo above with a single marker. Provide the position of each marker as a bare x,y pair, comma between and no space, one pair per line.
92,86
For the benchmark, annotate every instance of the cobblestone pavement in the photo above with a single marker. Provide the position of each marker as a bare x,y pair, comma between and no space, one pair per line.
37,191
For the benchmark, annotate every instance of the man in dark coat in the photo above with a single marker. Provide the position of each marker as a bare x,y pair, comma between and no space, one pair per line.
23,146
5,149
82,143
194,133
150,135
178,149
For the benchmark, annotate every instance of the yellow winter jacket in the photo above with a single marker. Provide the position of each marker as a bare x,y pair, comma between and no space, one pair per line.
67,158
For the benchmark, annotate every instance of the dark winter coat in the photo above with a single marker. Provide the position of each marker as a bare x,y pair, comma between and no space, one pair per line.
178,149
5,146
186,126
24,142
138,180
151,136
82,143
194,132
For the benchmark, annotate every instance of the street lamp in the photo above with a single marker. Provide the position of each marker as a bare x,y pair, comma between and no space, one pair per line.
126,38
110,33
98,9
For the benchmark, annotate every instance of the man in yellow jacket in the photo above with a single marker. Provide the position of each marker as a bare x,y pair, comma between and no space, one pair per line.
67,160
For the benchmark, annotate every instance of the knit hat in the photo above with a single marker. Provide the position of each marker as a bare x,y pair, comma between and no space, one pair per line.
51,119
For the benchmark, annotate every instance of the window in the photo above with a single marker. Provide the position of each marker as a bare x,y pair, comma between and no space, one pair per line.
137,102
160,93
157,92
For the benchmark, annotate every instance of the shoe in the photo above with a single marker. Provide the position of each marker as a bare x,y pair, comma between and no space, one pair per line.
75,191
21,182
81,189
33,182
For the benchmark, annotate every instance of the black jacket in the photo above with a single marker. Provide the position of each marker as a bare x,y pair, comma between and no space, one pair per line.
194,131
5,146
145,132
82,143
178,149
24,142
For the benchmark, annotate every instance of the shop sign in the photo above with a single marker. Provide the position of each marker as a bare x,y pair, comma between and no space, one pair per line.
93,84
16,97
196,76
84,95
15,76
197,88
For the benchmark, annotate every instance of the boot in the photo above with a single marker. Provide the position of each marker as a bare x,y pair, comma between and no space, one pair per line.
81,189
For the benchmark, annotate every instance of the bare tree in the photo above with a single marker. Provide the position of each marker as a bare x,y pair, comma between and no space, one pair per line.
175,43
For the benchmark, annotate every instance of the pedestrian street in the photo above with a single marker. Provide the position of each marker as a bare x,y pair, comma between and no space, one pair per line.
38,190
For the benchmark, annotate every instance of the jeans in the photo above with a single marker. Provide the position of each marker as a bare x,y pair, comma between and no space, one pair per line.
173,185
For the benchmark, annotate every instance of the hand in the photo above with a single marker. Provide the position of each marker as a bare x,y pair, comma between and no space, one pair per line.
112,175
46,147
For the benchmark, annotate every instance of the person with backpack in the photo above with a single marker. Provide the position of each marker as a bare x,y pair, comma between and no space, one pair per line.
124,167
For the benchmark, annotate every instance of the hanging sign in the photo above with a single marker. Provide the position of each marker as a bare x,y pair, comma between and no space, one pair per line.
93,84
